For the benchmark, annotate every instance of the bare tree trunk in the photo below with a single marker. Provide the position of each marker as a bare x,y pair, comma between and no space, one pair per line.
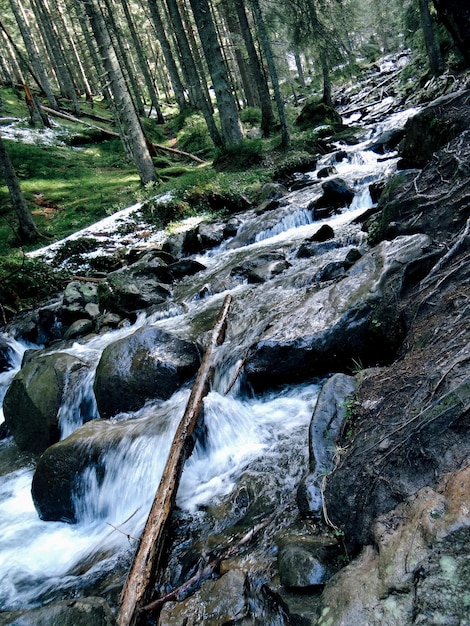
129,123
194,84
170,63
143,64
267,115
285,137
33,52
27,228
228,111
147,558
432,47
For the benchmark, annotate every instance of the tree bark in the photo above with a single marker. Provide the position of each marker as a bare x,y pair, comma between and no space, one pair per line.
228,111
194,85
129,123
33,52
432,47
455,15
170,63
27,228
285,137
141,576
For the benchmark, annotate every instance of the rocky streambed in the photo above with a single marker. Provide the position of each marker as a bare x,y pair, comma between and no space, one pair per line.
329,484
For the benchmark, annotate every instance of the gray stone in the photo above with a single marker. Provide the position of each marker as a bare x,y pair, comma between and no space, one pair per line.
356,318
146,365
82,612
218,602
32,402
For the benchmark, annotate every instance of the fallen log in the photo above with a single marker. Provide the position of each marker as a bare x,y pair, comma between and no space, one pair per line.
139,583
112,133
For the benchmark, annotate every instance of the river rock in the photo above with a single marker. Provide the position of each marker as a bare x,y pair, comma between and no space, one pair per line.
32,402
328,420
82,612
419,571
145,365
435,126
131,289
77,296
223,601
317,114
305,561
6,353
355,319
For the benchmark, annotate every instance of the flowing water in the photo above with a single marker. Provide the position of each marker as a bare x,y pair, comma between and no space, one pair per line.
247,434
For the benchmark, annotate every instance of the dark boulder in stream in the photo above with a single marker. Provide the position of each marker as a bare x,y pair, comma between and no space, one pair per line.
353,320
146,365
78,612
33,400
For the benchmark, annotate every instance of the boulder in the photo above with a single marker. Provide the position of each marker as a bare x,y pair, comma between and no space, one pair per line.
6,354
131,289
82,612
337,194
32,402
222,601
434,126
328,421
77,296
316,113
356,319
146,365
305,561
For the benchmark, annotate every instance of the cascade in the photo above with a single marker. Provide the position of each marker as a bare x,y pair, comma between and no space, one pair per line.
245,432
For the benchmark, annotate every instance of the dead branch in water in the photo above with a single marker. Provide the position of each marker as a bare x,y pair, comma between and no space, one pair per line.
138,586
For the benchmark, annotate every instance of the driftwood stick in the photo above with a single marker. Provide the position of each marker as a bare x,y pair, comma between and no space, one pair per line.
138,586
112,133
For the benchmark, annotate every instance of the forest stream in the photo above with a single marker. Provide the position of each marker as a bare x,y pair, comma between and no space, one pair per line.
253,451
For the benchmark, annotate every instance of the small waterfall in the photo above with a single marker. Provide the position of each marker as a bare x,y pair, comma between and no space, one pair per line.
295,220
243,433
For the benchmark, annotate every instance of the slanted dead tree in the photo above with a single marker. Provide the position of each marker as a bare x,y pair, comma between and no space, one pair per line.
139,584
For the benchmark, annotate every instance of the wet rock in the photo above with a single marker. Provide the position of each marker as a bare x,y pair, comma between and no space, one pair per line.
331,271
305,561
328,421
434,126
419,572
61,477
82,612
324,172
324,233
173,244
387,140
33,400
6,354
185,267
432,201
356,318
317,114
40,327
262,268
211,234
131,289
77,296
337,194
218,602
231,227
146,365
352,256
78,329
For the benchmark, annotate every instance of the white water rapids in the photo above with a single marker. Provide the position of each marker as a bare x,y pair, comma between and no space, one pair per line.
38,557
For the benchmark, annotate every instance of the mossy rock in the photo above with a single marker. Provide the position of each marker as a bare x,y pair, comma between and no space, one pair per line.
316,113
